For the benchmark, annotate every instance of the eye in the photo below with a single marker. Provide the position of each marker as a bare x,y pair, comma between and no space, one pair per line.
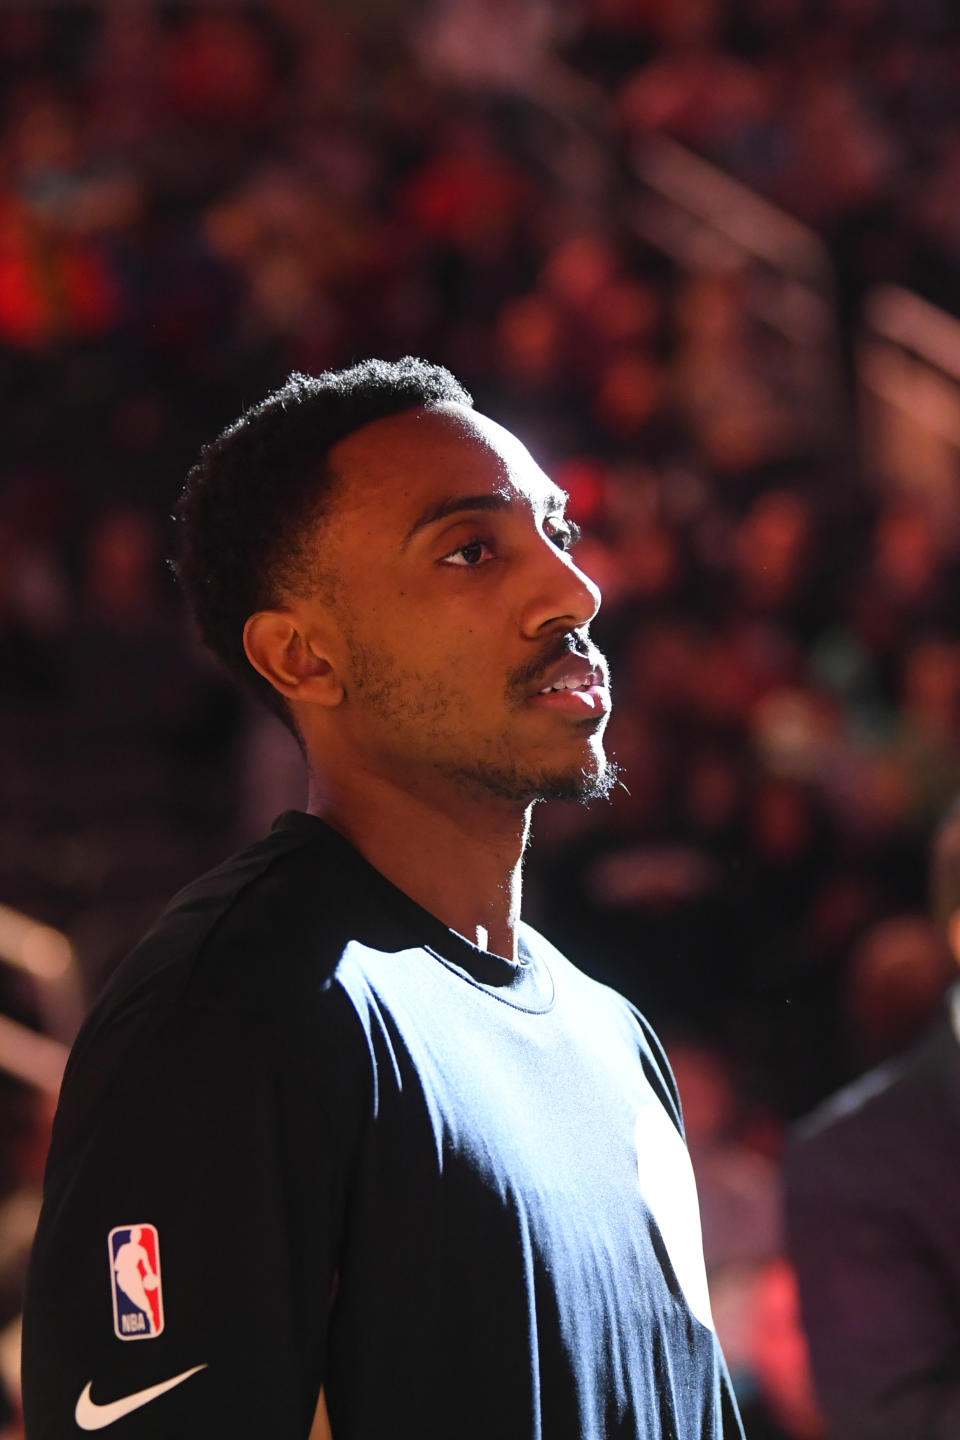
469,556
563,533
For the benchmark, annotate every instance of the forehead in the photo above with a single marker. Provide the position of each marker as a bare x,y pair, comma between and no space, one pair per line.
400,464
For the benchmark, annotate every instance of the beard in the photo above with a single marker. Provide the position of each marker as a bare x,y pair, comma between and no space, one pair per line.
526,787
423,723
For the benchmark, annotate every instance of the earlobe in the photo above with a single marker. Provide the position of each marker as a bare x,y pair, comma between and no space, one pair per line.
277,646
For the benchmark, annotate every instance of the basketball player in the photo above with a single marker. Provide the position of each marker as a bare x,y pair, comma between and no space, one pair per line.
411,1173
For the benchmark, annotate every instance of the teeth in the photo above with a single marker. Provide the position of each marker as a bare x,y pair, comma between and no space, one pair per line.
568,682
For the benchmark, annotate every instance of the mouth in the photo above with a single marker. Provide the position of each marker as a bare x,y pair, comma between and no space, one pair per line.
574,686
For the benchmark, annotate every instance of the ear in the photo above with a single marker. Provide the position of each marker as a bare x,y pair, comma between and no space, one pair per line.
953,935
291,657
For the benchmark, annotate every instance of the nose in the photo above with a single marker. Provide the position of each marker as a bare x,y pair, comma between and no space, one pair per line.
559,594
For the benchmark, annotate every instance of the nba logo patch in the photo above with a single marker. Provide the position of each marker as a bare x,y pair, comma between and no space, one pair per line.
135,1281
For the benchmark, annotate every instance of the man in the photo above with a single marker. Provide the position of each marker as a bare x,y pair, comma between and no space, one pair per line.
404,1164
873,1200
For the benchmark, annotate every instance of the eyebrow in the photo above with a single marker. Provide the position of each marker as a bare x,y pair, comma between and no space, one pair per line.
556,499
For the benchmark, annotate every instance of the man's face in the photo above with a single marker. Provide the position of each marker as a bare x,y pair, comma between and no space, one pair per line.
456,605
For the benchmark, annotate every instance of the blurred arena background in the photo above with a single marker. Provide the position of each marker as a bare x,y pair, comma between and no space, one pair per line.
702,256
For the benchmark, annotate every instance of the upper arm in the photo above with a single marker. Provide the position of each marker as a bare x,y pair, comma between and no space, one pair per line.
199,1135
657,1068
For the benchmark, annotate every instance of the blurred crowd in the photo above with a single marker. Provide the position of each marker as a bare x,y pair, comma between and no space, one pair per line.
197,198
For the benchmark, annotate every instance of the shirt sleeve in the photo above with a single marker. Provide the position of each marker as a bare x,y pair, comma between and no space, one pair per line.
224,1150
661,1077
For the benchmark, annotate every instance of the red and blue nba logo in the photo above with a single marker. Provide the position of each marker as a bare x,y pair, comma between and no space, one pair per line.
135,1281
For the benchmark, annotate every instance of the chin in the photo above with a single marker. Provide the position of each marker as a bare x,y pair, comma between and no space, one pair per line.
592,779
586,783
584,776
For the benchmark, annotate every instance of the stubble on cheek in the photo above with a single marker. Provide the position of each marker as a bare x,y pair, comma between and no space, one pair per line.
424,721
404,699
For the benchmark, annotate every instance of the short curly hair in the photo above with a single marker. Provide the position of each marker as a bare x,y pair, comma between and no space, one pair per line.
251,502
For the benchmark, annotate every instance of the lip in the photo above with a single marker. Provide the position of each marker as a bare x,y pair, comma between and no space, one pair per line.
589,700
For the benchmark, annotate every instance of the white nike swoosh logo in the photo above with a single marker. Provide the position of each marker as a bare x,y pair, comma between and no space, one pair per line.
90,1416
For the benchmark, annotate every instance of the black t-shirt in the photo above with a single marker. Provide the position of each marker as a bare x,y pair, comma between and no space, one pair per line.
309,1135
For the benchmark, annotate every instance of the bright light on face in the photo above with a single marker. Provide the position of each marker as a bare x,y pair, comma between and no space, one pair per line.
464,619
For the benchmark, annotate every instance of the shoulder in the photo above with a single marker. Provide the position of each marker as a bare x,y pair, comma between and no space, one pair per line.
893,1110
234,980
253,945
594,997
237,933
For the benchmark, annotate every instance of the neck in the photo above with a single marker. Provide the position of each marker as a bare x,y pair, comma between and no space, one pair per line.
457,856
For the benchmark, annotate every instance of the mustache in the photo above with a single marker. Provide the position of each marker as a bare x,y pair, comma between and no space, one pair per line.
564,647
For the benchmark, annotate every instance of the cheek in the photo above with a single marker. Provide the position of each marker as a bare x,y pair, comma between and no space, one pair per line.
402,660
445,646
